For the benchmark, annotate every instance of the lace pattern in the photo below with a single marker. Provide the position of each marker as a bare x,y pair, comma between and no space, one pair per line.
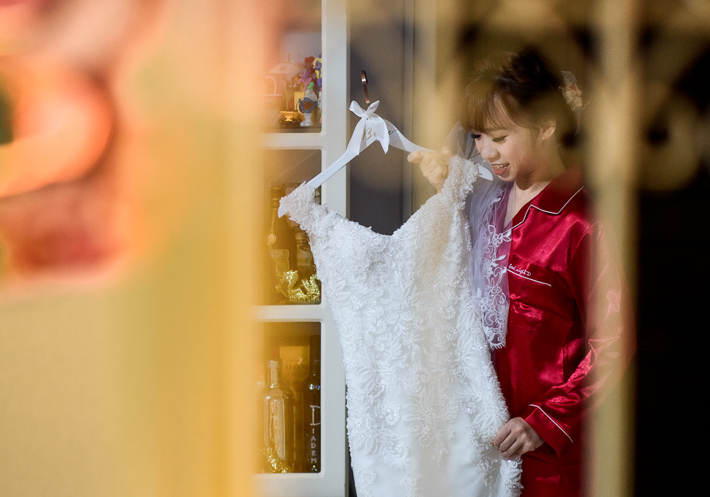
489,266
417,362
488,271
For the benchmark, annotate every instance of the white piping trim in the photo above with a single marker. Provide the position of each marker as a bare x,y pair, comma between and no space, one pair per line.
546,212
536,281
563,431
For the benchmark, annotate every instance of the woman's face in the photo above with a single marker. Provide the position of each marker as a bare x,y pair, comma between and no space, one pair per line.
514,151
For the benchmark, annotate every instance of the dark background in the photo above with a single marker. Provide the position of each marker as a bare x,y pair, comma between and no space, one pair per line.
673,230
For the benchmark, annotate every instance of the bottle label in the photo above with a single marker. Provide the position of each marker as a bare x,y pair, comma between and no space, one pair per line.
315,415
280,259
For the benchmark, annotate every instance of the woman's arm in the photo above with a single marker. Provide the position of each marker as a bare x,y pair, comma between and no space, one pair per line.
602,297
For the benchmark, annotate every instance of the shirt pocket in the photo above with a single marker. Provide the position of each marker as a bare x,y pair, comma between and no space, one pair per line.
539,297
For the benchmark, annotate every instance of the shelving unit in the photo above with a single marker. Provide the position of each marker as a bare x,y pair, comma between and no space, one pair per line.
331,481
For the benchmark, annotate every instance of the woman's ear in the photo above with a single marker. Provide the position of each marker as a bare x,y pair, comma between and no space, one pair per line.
547,128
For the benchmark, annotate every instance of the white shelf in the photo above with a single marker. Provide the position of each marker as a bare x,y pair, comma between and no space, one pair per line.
331,140
332,480
275,313
294,140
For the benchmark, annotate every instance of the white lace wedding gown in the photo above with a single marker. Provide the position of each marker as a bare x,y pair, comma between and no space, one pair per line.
423,400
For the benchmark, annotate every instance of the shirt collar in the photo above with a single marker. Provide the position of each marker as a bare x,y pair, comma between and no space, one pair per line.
555,196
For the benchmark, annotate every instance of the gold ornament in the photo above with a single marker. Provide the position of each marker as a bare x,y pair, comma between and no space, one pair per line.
307,292
273,463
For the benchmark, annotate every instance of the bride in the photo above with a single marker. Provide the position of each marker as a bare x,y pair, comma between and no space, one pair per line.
533,250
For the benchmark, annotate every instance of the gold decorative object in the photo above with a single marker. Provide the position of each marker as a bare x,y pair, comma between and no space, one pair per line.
289,116
273,463
307,292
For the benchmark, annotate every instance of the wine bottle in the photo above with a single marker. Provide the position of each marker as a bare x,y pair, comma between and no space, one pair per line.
304,256
281,244
279,428
311,410
305,265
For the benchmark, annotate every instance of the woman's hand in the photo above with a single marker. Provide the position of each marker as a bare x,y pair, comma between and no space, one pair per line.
434,165
516,437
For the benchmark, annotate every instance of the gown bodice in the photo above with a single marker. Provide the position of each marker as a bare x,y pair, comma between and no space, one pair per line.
423,399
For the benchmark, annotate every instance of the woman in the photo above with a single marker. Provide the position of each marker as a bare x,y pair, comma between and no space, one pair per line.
551,356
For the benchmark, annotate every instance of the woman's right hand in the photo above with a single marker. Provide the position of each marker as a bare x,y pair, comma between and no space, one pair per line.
434,165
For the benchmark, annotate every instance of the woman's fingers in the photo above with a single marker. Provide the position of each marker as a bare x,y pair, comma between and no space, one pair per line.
419,155
502,434
415,157
515,438
434,165
507,444
513,450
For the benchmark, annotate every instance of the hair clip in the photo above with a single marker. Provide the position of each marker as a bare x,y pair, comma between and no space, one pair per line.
571,92
573,95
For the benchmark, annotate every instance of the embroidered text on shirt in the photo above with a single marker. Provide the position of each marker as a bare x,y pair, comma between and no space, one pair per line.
520,271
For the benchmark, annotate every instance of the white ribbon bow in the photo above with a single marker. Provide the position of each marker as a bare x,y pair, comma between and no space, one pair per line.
371,127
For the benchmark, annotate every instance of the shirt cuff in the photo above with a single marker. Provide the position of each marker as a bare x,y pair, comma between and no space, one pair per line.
549,429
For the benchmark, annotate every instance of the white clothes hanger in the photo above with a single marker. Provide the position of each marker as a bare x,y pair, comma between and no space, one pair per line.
369,129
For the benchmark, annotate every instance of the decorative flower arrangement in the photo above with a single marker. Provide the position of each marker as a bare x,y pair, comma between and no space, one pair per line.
318,66
573,95
571,92
309,81
302,97
311,73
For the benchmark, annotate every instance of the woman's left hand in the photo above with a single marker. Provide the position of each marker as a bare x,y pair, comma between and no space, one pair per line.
516,437
434,165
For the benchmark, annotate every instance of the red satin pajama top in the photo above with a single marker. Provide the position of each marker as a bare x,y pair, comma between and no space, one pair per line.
552,344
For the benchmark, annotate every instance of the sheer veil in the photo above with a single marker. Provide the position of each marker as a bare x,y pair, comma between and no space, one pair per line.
487,269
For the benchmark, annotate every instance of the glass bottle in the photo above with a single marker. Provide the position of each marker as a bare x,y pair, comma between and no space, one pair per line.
279,428
305,265
311,411
281,245
304,256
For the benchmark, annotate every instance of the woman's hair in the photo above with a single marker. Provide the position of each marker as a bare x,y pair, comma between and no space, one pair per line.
521,87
